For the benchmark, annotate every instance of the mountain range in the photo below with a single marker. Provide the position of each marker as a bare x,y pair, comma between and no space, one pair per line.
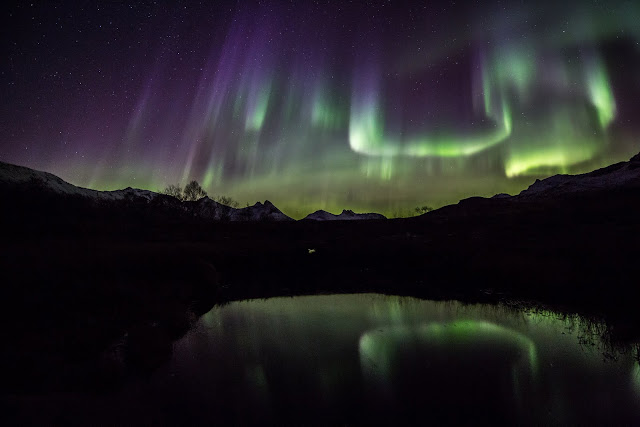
23,181
29,180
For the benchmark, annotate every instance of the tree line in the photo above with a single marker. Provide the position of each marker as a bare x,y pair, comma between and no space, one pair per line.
193,192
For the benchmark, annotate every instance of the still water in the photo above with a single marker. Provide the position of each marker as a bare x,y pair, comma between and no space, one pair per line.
372,359
376,359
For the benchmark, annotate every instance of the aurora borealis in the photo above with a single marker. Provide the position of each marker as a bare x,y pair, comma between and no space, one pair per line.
367,105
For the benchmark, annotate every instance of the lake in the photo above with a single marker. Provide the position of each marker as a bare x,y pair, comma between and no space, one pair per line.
369,358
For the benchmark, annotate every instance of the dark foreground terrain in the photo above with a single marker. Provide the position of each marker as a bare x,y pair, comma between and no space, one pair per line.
95,294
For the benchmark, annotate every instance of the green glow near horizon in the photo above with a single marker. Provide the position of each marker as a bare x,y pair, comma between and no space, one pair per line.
554,159
566,136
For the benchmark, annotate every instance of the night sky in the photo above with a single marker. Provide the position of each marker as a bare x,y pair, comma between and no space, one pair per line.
331,104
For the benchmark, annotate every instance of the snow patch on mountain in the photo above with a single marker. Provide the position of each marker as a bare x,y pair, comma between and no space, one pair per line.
623,174
210,209
259,212
127,193
13,174
204,208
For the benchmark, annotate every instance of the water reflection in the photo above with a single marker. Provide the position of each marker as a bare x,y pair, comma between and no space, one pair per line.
374,358
449,363
635,379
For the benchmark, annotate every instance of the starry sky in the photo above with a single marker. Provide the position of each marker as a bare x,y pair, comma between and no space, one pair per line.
365,105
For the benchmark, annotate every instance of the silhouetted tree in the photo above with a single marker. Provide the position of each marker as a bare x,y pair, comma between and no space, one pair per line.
174,191
226,200
423,209
192,191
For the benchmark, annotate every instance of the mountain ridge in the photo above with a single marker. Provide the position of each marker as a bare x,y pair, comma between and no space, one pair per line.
345,215
619,176
204,208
